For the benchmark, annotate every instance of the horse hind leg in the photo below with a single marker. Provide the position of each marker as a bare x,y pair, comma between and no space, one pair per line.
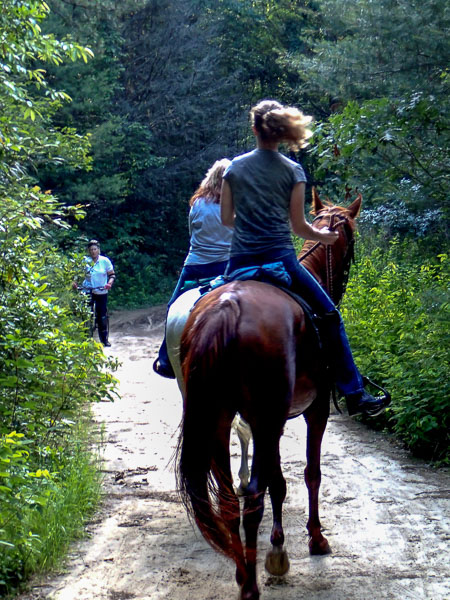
253,513
277,561
265,462
316,420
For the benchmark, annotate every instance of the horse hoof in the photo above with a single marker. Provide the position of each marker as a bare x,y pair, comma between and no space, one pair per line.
319,548
249,595
277,561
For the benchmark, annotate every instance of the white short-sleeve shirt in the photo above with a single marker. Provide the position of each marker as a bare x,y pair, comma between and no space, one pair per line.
96,274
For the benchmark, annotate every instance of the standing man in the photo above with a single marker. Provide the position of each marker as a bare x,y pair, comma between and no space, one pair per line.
99,278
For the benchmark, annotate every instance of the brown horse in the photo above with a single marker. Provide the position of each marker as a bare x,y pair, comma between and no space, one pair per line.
248,348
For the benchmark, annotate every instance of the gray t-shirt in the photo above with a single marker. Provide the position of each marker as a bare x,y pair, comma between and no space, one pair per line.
261,182
210,240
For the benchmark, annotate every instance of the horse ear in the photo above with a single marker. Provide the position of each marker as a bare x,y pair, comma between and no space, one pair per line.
355,207
316,202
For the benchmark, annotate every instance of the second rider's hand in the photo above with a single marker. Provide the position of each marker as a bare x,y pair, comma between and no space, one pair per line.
328,237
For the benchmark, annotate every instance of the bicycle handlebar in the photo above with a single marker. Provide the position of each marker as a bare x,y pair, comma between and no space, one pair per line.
90,290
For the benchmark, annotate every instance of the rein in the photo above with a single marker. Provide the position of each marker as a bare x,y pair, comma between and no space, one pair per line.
335,222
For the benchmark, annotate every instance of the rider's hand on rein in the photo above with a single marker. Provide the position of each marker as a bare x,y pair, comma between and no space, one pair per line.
329,237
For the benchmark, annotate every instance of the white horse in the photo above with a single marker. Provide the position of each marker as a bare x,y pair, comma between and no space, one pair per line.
176,321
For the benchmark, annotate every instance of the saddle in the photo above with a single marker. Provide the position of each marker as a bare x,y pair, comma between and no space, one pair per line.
269,273
272,273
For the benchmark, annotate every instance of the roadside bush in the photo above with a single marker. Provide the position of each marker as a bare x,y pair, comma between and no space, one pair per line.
42,511
49,368
396,312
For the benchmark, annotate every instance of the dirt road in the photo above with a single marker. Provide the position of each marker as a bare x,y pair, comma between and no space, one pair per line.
385,514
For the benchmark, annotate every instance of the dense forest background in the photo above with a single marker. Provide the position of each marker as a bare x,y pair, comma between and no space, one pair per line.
111,111
170,86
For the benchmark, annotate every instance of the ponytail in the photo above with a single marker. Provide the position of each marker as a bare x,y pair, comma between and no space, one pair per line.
274,122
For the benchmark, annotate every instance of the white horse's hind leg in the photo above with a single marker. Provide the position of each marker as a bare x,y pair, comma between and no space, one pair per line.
244,434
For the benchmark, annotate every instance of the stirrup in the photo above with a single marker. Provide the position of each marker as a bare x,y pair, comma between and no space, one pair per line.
386,395
367,404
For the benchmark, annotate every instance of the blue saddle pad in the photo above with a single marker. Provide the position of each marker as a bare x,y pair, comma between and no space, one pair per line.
274,273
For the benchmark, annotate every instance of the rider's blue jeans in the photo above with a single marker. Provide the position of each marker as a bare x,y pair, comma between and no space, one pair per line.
347,377
190,273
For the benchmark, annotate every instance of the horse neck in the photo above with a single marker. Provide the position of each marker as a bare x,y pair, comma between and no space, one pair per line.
326,264
313,258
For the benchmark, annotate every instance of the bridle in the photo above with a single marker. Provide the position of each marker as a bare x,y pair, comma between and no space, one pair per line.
349,257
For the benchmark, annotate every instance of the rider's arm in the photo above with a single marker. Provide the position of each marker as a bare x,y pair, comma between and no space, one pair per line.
300,225
226,205
111,278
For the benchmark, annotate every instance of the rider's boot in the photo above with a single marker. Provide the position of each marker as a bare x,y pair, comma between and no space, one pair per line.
364,403
162,365
104,333
163,369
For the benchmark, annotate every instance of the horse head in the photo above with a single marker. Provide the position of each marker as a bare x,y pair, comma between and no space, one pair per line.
321,209
330,265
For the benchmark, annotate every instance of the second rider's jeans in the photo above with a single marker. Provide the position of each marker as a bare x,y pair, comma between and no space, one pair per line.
188,273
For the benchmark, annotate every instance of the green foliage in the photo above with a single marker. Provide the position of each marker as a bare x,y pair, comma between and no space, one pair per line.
27,100
129,154
18,491
393,151
396,312
379,49
386,65
150,149
48,365
42,510
143,281
117,192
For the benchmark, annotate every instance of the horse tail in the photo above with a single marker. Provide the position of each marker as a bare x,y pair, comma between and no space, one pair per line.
206,490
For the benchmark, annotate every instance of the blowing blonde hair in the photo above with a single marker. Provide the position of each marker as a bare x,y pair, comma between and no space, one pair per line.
274,122
211,185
